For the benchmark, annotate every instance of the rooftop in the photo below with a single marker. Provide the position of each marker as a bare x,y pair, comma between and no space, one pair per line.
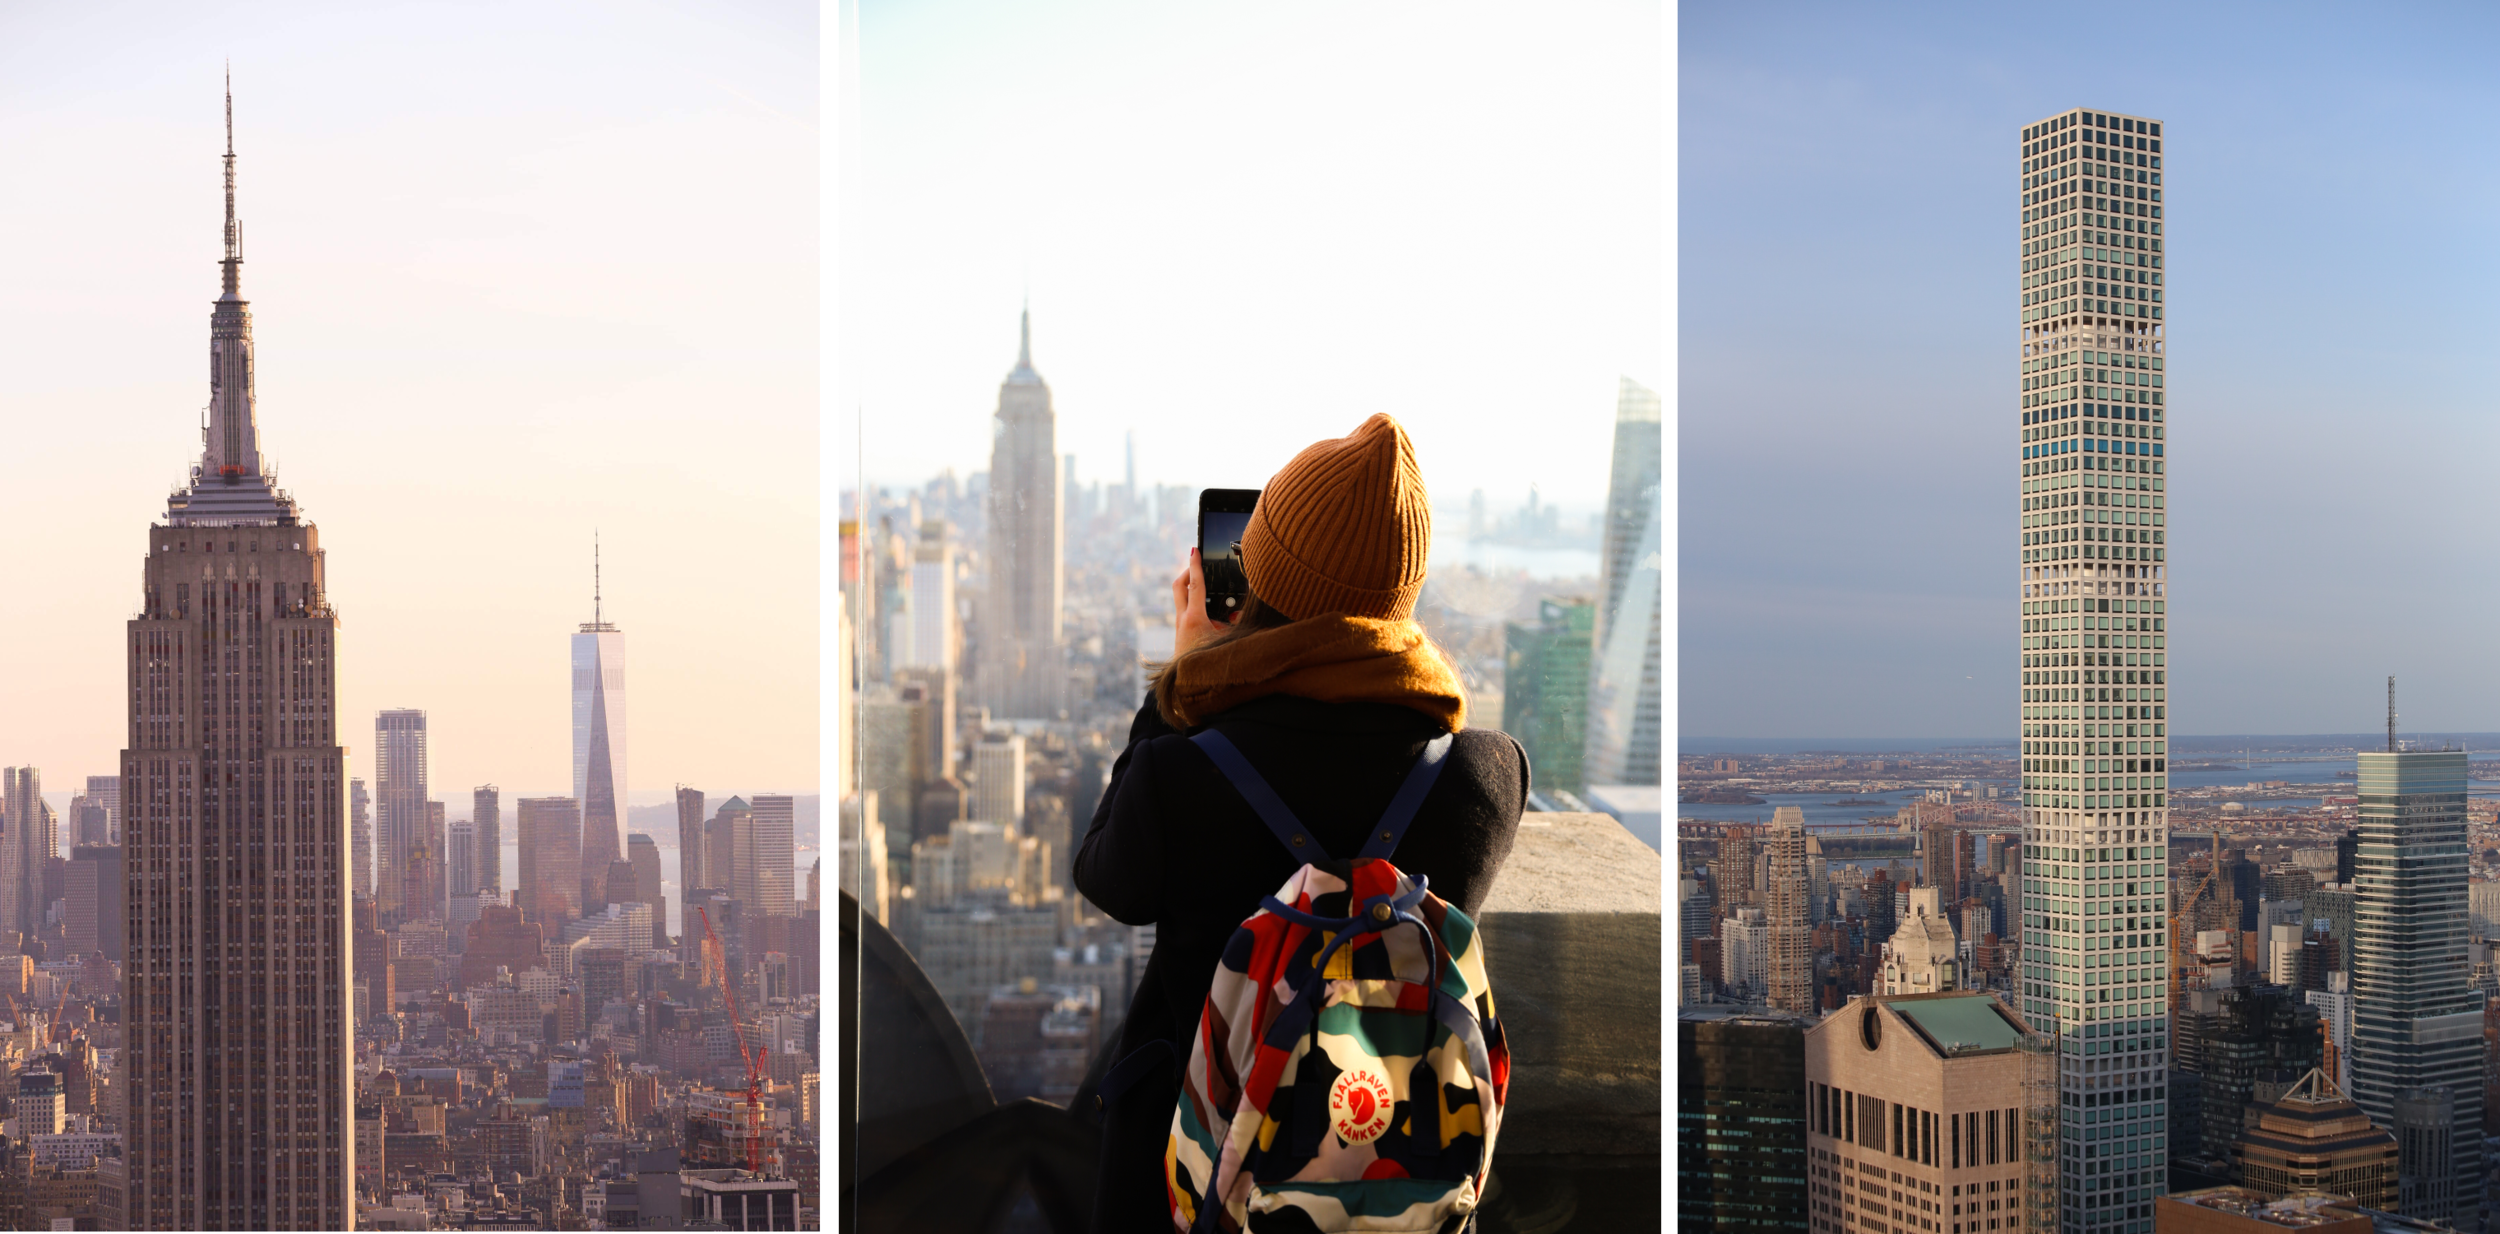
1958,1023
2297,1211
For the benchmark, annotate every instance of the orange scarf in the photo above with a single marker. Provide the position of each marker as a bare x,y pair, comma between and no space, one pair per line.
1332,659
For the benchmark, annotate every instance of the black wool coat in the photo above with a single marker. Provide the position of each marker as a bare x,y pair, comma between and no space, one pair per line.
1173,844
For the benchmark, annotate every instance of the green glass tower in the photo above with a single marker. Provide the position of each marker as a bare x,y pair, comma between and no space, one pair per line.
1545,690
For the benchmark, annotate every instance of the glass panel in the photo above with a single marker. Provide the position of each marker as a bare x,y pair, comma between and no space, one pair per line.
1055,349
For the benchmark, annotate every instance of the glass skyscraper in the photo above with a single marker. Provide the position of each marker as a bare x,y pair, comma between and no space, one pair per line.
2417,1025
599,746
1624,686
2094,583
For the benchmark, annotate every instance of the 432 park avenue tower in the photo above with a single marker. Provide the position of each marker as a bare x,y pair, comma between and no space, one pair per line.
2095,585
239,1060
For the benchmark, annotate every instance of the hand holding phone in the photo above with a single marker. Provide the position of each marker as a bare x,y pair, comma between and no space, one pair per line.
1223,518
1190,624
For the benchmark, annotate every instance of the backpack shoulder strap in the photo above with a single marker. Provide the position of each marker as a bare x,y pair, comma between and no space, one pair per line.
1271,808
1392,828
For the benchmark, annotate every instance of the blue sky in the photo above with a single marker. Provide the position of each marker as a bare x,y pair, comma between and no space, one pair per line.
1848,410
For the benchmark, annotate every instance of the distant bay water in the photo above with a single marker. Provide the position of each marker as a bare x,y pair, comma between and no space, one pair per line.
1450,552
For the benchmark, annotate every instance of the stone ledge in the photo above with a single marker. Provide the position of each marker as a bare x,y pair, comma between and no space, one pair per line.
1577,863
1573,941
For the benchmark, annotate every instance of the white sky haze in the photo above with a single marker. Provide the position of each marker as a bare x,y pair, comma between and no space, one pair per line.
518,273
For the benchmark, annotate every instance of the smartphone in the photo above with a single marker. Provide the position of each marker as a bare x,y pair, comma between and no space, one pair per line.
1223,518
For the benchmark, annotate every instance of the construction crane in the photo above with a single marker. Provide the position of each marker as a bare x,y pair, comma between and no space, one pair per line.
754,1060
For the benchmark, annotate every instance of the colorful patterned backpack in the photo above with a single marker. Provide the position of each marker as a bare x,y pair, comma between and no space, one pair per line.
1348,1072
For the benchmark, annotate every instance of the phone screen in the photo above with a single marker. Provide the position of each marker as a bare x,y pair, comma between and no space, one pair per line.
1219,553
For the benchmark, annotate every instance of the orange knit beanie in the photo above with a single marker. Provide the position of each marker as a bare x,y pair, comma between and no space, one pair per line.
1344,528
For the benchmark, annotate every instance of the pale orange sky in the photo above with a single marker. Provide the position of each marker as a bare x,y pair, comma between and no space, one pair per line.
516,274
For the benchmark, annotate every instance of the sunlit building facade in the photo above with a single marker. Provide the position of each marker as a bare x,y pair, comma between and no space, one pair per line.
2094,583
238,1060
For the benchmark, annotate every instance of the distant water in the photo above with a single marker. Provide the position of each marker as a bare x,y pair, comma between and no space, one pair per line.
1818,807
1998,747
1559,563
2320,771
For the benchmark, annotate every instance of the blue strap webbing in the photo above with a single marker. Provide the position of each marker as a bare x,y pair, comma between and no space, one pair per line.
1419,780
1271,808
1289,830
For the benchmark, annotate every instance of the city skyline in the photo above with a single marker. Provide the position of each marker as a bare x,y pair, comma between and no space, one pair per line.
1829,458
495,306
1196,270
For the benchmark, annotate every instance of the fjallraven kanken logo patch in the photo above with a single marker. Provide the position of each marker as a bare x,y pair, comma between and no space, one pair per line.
1358,1106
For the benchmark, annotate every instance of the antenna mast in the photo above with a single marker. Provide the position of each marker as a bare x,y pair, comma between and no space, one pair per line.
2391,715
598,608
234,231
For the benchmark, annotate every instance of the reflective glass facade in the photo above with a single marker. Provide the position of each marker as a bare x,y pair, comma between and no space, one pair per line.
599,745
2417,1024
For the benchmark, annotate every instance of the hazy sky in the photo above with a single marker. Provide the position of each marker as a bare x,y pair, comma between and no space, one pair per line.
517,272
1244,228
1849,420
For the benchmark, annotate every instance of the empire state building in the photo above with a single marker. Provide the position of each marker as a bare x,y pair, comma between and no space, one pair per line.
1023,670
239,1057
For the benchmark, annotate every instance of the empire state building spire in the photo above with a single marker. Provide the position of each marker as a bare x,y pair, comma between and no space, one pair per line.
234,230
231,485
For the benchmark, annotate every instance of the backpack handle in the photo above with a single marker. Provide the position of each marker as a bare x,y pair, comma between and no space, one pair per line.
1289,830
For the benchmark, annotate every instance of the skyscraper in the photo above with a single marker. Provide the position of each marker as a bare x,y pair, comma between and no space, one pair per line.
460,851
644,853
692,874
427,866
106,791
2092,583
238,1058
460,860
551,860
486,810
766,866
29,837
1792,952
1545,689
2416,1022
81,899
599,737
360,836
720,846
1740,1115
998,780
399,787
1023,672
932,600
1624,689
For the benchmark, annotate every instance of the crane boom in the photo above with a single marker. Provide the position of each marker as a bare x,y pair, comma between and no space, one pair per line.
754,1060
